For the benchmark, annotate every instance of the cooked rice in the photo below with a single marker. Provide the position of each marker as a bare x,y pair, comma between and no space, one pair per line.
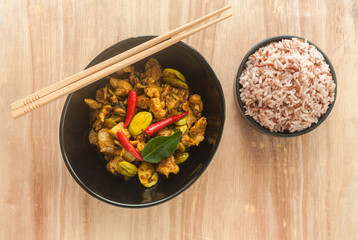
286,86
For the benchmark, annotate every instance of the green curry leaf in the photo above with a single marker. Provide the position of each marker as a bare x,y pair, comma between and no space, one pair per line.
161,147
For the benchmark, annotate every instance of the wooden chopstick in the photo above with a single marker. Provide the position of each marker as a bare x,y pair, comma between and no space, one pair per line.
47,90
54,91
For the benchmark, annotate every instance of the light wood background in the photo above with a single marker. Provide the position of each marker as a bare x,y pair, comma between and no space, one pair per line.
257,187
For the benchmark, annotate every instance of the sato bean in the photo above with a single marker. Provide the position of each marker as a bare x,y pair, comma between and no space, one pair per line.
181,157
127,169
183,128
139,123
181,147
109,123
182,121
147,175
172,73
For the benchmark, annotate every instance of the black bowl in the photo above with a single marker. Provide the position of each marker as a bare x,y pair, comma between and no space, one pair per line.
252,121
87,165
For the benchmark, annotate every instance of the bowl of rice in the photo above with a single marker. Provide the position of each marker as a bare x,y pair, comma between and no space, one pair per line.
286,86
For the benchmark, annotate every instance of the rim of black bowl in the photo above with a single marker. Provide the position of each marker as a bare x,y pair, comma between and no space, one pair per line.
238,86
196,177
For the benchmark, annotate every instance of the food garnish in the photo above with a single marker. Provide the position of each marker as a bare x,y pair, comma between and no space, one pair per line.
161,147
156,127
128,145
132,102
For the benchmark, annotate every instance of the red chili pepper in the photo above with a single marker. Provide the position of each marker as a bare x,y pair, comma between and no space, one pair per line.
128,145
132,102
162,124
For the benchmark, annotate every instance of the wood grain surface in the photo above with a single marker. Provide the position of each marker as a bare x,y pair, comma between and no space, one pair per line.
257,187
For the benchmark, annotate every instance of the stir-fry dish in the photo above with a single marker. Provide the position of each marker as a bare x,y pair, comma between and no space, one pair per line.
144,123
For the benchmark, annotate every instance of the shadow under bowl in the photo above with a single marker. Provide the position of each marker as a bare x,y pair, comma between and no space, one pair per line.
87,165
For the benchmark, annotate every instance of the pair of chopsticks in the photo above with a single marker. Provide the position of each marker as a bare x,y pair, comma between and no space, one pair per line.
105,68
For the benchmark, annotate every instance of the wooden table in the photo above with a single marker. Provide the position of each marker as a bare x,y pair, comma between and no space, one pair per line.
257,187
